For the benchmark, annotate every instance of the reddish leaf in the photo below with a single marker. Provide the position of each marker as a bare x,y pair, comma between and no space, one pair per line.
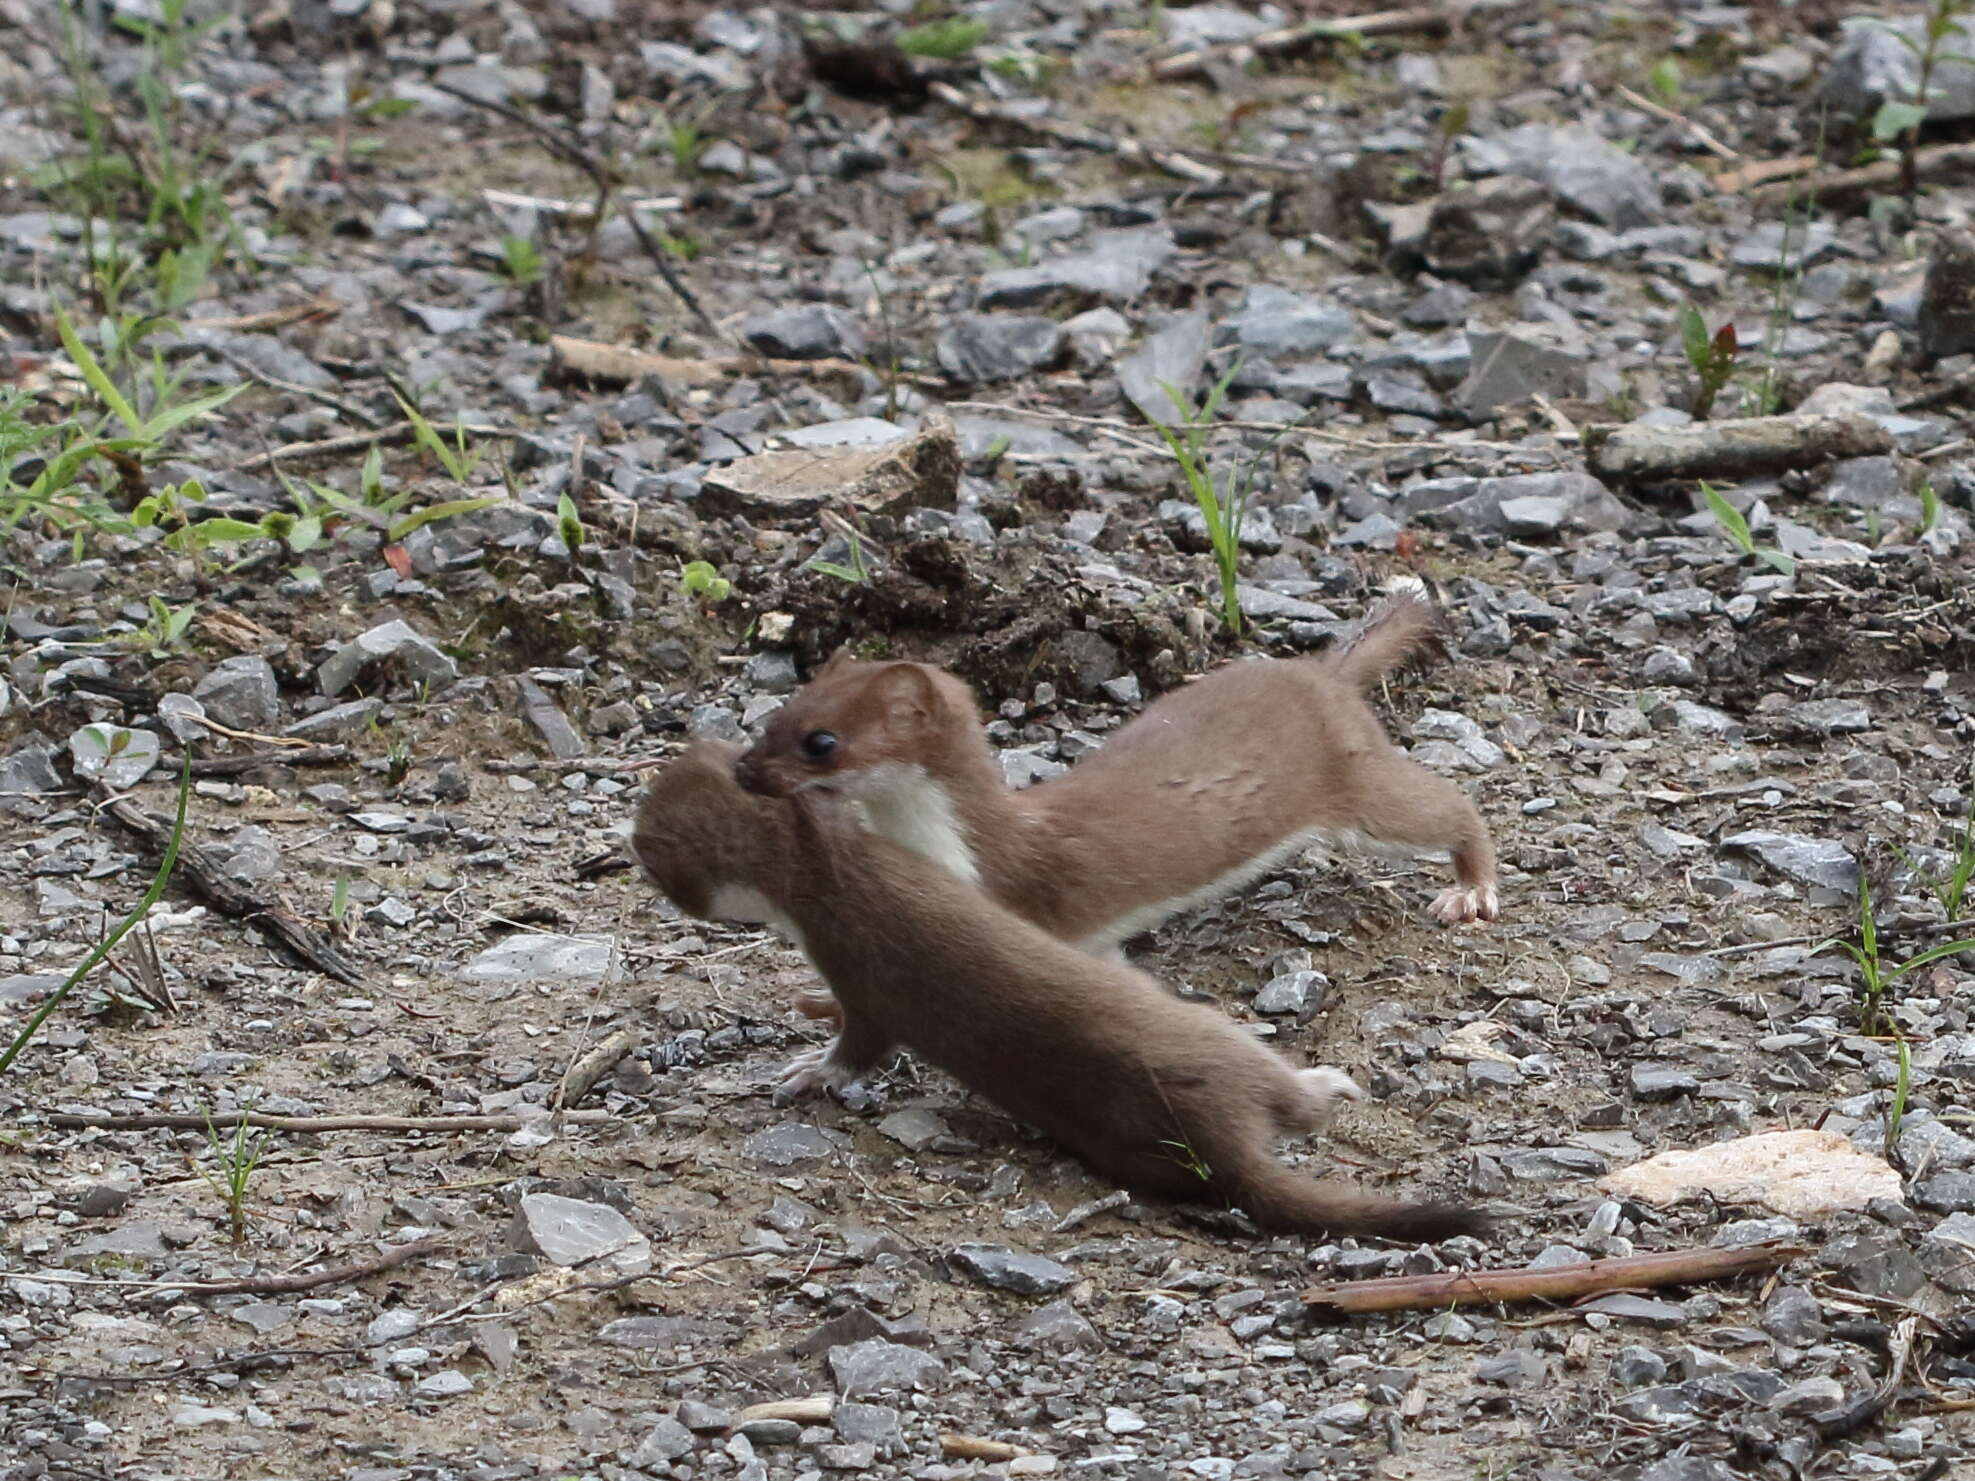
398,559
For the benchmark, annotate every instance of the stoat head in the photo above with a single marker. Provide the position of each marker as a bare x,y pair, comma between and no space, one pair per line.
700,839
854,719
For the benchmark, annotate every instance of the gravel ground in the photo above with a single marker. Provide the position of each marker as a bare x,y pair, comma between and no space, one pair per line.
862,349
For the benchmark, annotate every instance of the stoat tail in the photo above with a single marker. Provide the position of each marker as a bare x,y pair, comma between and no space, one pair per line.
1281,1200
1399,629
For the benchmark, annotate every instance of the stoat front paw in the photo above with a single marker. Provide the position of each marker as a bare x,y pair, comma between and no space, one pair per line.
1326,1086
813,1070
1453,907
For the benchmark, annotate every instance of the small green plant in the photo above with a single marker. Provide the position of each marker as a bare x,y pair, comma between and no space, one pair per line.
700,579
1188,445
856,572
1184,1154
339,904
947,40
1899,120
165,630
459,458
684,139
124,927
1666,85
569,525
1902,1089
1876,974
521,261
1711,356
235,1157
1951,889
1736,527
1930,507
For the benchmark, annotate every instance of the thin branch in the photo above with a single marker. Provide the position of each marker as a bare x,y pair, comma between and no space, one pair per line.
331,1275
1559,1283
177,1121
590,165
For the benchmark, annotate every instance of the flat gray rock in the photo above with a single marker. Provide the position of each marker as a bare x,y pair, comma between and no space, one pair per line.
397,643
530,957
569,1231
871,1369
1013,1270
1808,861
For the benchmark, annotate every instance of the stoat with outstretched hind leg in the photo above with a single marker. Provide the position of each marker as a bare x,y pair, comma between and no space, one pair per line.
1211,787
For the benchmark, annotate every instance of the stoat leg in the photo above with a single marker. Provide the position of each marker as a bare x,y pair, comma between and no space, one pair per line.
818,1002
1453,907
1325,1086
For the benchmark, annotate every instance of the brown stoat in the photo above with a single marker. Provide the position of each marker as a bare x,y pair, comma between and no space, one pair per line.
717,852
1212,786
1167,1097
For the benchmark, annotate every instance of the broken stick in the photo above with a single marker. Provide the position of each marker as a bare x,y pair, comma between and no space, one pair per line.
208,876
330,1275
1735,448
181,1121
1182,166
1418,20
1936,163
1557,1283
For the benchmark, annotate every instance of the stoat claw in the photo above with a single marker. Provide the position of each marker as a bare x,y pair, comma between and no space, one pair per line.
1452,907
813,1070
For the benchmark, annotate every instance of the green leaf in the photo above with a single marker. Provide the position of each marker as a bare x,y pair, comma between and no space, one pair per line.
699,578
221,531
1895,118
451,508
306,535
176,416
1932,954
1694,337
1777,561
1730,519
99,382
569,524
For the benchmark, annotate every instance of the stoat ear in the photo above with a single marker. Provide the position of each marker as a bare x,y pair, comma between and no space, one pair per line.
837,660
910,697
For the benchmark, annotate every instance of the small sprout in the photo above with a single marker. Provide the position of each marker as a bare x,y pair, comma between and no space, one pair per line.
1664,82
237,1159
700,579
520,260
569,525
856,572
948,40
1736,528
1712,357
1930,507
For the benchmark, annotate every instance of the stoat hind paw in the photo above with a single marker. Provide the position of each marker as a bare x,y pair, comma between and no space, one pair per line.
813,1070
1453,907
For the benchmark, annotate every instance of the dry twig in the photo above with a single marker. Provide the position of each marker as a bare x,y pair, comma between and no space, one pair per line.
1173,163
179,1121
1558,1283
1417,20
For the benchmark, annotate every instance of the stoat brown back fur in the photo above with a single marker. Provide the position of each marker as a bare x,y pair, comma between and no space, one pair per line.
1164,1096
1213,785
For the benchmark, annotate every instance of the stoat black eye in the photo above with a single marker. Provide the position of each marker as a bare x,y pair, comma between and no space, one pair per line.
819,745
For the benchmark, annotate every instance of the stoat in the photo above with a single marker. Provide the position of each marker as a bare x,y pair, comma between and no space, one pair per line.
1211,787
1165,1096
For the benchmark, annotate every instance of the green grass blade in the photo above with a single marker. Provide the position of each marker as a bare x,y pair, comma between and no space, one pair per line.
124,927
